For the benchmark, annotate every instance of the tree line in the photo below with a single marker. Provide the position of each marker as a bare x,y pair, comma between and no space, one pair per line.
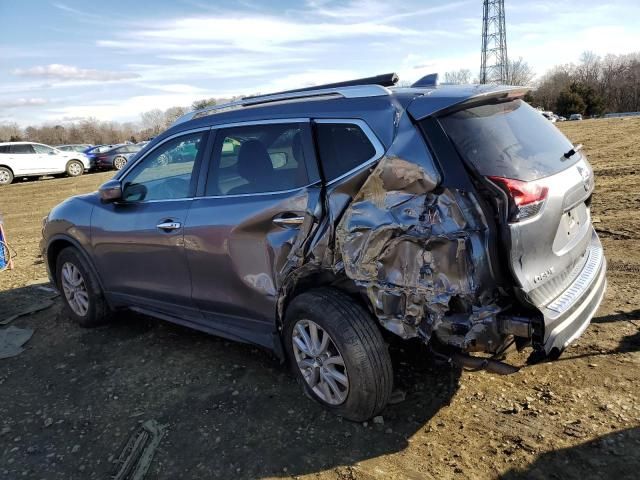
592,87
595,86
97,132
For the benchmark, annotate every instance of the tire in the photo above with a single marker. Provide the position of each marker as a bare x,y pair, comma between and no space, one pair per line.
357,339
75,168
119,163
97,311
6,176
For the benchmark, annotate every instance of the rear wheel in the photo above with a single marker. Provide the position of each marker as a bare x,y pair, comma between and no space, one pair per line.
74,168
119,163
80,289
338,354
6,176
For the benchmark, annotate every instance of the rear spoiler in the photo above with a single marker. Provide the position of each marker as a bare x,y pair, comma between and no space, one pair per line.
445,100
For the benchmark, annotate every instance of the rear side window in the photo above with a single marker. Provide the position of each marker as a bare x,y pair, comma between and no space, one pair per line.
342,148
4,148
23,148
510,140
258,159
43,149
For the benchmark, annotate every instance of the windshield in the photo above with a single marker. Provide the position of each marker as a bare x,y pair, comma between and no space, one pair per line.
510,140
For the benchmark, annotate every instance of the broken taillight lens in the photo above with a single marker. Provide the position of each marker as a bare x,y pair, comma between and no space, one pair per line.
526,198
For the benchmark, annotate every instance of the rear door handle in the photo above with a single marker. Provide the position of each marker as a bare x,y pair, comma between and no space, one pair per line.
289,221
168,226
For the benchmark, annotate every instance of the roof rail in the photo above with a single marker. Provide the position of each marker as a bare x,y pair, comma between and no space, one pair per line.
384,80
363,87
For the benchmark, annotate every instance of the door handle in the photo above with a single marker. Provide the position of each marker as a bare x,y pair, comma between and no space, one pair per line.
168,226
289,221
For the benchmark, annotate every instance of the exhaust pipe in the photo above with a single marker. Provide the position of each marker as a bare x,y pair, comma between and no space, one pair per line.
478,363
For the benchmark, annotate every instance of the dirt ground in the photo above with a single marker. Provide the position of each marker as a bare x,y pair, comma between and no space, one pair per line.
73,397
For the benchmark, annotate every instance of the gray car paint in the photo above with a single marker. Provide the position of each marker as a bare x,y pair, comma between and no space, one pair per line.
415,246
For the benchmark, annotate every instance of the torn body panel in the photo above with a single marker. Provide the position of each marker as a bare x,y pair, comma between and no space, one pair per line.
418,253
420,256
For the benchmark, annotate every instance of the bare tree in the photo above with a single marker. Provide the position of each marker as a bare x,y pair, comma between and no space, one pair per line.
458,77
519,73
204,103
172,114
10,132
153,121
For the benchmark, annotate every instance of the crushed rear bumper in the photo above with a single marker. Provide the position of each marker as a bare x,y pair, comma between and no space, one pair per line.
568,315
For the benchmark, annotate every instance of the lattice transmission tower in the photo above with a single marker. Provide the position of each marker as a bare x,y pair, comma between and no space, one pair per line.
494,62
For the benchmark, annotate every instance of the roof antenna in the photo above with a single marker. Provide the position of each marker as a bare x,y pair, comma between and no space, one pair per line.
430,80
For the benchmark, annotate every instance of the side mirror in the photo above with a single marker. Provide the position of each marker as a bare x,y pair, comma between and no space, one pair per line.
53,152
111,191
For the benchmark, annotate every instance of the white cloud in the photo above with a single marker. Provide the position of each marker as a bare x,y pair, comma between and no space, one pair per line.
69,72
369,10
176,88
122,109
22,102
245,34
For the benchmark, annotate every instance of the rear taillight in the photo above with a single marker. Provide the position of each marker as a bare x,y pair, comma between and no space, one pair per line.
526,198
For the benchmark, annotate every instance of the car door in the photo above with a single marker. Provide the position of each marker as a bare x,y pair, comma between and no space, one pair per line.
24,159
260,201
138,242
49,160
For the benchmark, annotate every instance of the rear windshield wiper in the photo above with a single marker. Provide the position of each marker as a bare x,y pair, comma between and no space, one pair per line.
573,151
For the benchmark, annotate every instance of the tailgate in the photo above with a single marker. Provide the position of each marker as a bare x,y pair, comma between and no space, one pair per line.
543,194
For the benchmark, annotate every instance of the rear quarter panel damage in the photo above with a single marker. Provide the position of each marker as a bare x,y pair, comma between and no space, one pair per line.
417,252
413,251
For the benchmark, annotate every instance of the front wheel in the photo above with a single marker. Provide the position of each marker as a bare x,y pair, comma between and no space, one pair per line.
80,289
338,354
6,176
74,168
119,163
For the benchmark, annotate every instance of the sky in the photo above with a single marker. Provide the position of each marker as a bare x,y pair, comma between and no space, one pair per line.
63,60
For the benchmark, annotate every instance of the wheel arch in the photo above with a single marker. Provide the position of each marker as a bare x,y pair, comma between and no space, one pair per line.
56,245
2,165
302,282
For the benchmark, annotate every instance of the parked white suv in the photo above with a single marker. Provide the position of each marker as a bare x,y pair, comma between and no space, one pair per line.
27,159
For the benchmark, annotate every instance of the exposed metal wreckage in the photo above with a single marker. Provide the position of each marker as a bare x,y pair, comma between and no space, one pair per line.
417,252
420,257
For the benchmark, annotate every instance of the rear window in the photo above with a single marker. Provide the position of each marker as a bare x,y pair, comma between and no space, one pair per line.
342,147
510,140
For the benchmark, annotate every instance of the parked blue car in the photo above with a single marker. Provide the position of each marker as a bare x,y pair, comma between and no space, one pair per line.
116,157
93,152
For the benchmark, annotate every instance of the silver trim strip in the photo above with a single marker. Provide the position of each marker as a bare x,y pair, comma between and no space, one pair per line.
255,194
377,145
356,91
581,283
597,294
273,121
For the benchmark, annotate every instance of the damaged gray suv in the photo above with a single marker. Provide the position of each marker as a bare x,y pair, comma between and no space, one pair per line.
316,222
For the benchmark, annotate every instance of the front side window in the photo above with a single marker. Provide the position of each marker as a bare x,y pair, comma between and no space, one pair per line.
258,159
166,172
24,148
43,149
342,147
